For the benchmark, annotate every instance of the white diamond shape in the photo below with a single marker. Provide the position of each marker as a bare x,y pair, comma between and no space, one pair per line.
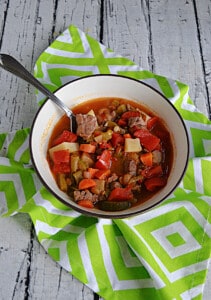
190,244
207,146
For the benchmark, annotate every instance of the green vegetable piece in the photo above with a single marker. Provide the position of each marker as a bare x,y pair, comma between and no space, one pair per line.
78,176
121,109
74,163
114,205
62,182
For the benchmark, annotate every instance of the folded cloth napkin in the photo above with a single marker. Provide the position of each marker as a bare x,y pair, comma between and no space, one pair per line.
161,254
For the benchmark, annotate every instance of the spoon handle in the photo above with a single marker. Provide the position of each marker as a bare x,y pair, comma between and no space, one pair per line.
10,64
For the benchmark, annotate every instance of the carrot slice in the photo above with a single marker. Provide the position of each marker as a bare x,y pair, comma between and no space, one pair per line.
92,172
85,203
146,159
89,148
102,174
86,183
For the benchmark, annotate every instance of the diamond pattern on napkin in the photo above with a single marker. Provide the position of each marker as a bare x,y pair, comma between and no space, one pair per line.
161,254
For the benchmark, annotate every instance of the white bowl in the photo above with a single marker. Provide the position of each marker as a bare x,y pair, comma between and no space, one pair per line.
96,86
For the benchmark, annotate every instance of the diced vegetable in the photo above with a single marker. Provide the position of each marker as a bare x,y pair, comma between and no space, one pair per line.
61,168
89,148
146,159
107,135
92,172
148,140
132,145
152,172
71,147
86,203
65,136
91,113
130,114
152,122
86,184
78,176
62,182
117,139
86,158
154,183
102,174
61,156
121,194
99,188
74,159
121,109
104,160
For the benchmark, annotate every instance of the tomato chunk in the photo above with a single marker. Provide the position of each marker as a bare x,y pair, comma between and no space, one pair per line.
61,156
65,136
152,122
152,172
121,194
117,139
61,168
104,160
130,114
147,139
154,183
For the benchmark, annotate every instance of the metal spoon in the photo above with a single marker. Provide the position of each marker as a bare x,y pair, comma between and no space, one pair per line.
10,64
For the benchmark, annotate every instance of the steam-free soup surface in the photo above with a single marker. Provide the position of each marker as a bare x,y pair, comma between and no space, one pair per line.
120,156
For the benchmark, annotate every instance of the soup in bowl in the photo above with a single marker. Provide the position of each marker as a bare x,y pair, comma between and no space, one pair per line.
129,152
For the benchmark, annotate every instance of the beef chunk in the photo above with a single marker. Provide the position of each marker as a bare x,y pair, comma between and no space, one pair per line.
85,195
86,124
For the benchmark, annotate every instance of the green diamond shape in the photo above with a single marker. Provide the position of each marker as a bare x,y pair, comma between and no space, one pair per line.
175,239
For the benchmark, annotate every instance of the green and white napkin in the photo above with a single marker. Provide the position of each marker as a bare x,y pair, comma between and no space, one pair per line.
161,254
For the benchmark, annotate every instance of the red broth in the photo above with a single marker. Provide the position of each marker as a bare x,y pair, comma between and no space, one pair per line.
106,173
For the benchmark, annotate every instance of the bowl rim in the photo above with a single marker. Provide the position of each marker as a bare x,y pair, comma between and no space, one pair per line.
99,214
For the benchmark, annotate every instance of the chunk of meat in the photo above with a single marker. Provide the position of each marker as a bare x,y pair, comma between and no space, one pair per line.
85,195
130,166
86,125
136,121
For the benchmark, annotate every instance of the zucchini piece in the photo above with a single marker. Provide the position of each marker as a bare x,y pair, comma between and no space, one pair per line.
62,182
114,205
74,159
78,176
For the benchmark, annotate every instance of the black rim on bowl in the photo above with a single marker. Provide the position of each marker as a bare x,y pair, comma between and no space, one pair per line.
110,215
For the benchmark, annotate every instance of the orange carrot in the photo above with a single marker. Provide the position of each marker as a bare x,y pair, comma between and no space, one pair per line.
102,174
86,183
146,159
86,203
92,172
127,136
89,148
